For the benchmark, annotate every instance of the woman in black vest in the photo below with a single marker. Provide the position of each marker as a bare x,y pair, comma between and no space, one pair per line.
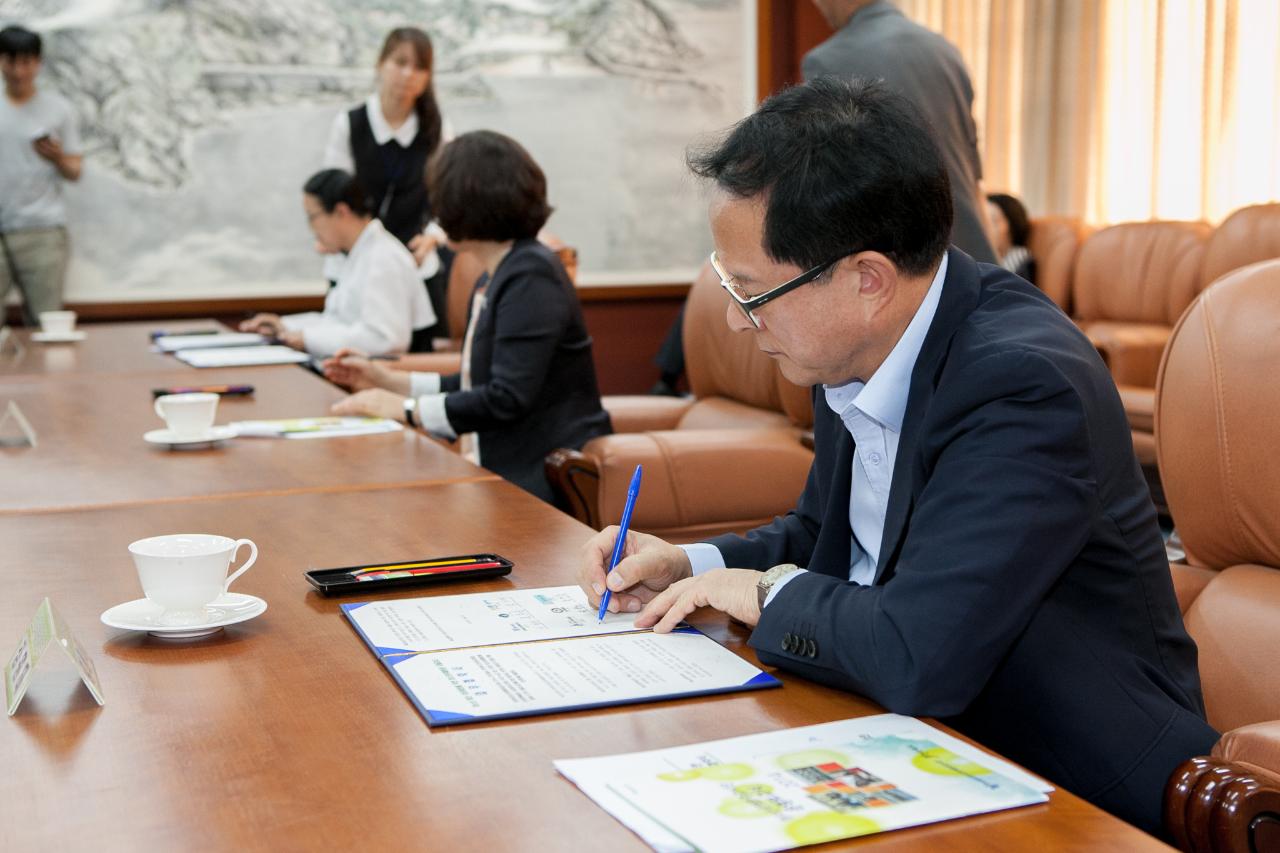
528,380
386,142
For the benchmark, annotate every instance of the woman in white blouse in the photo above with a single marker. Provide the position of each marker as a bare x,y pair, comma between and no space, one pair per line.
378,302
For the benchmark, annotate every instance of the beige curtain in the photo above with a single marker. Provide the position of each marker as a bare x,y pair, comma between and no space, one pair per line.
1117,110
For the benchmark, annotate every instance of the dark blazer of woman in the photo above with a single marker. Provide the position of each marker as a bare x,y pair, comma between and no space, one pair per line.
533,380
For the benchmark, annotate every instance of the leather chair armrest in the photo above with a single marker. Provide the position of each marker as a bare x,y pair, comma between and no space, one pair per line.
1214,806
428,362
1131,351
698,483
644,412
1255,747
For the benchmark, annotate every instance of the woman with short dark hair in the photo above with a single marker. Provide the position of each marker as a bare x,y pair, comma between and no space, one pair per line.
528,382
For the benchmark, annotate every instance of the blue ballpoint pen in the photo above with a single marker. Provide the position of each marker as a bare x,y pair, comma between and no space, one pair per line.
632,491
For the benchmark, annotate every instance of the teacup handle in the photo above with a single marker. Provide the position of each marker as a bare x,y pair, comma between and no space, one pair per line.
253,555
159,414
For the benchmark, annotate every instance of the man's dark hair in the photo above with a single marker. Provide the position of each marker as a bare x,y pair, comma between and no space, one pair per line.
485,186
1016,214
841,167
331,186
18,41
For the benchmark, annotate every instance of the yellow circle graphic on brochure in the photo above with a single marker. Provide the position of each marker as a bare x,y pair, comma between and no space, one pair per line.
727,772
811,758
829,826
737,808
944,762
753,789
681,775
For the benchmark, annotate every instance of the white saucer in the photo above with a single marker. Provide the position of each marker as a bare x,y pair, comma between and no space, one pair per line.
57,337
170,439
144,615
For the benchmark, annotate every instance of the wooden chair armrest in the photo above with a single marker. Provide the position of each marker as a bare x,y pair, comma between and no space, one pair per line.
1215,806
575,482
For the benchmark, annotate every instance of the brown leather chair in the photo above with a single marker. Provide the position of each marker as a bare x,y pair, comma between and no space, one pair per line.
726,459
1217,406
1131,284
1054,243
1249,235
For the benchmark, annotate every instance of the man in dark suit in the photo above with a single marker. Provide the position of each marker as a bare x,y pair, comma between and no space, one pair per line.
975,541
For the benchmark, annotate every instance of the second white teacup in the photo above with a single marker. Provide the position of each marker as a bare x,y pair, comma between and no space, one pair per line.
183,572
57,322
188,415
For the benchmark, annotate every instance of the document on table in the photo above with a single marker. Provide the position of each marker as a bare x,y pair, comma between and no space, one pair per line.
241,356
789,788
325,427
514,653
177,343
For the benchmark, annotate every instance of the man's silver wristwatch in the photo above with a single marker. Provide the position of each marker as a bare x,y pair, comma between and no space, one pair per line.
771,577
410,408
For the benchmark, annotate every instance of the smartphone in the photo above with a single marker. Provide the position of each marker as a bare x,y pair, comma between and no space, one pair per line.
407,573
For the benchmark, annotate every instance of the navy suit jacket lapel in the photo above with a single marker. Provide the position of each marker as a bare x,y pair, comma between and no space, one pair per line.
959,298
831,552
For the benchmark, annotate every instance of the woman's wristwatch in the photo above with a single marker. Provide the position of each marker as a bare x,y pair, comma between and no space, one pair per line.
410,410
770,578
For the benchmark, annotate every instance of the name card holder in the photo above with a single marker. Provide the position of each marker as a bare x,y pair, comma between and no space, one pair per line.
47,628
15,429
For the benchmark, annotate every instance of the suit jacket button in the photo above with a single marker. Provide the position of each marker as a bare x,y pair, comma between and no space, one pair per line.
786,642
811,649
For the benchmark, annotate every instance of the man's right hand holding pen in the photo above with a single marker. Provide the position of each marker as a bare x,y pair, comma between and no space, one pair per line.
655,579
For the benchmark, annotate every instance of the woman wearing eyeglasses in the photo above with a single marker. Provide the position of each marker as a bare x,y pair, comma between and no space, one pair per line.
528,382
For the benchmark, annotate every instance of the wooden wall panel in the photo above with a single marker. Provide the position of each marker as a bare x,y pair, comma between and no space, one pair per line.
787,29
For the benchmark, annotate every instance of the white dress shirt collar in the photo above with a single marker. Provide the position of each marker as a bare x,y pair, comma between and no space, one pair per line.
367,237
883,398
382,132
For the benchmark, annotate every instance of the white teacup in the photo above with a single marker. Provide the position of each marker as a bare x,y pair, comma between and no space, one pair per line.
188,415
184,572
57,322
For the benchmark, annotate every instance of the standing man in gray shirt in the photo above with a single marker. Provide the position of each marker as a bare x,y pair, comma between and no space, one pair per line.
875,41
39,149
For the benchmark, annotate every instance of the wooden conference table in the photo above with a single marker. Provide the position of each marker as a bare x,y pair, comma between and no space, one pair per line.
91,450
107,348
284,733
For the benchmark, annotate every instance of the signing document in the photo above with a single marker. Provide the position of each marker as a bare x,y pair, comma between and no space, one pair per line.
807,785
513,653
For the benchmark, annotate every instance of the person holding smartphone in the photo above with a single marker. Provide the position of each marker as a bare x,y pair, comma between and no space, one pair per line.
39,150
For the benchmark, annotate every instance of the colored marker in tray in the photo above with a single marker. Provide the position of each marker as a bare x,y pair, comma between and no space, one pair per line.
408,573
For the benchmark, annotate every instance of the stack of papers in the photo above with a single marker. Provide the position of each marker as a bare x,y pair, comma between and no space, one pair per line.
177,343
794,787
241,356
514,653
314,427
